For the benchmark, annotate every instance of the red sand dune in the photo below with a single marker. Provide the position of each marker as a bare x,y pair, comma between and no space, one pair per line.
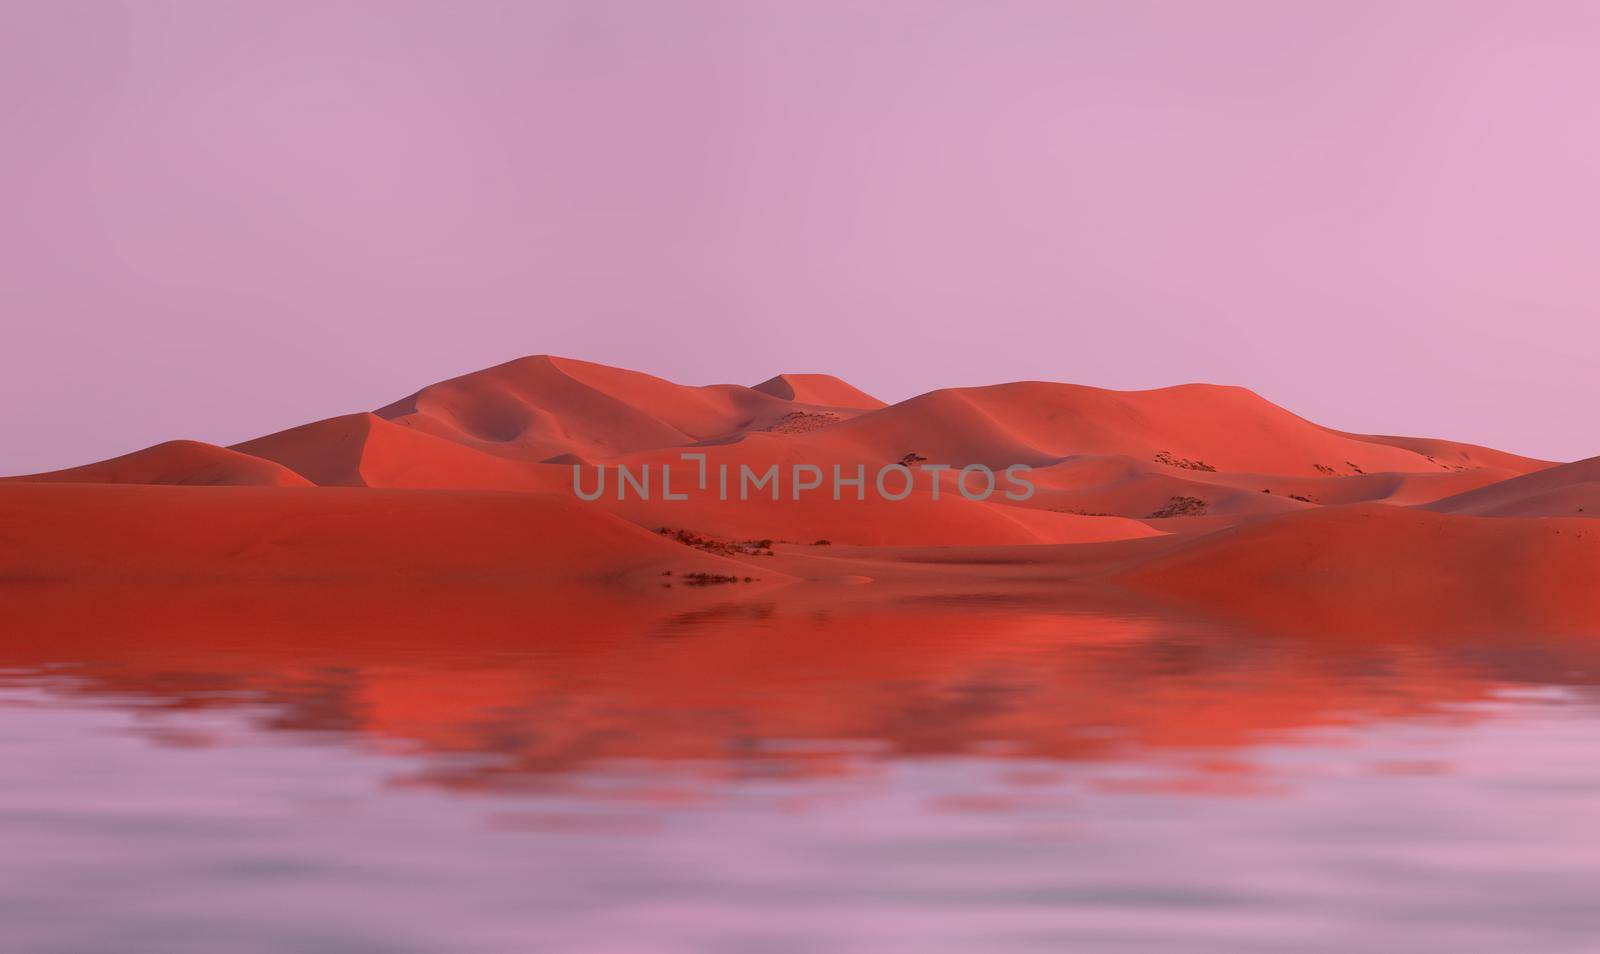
1124,486
916,520
1451,455
122,533
1039,423
1379,569
1569,490
364,450
1207,495
538,407
178,462
823,390
490,430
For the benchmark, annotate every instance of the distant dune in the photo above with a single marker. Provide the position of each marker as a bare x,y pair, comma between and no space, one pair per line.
1570,490
1197,426
823,390
179,462
1199,496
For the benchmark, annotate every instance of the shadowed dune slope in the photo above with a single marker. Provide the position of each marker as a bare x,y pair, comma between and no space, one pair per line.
178,462
1374,569
823,390
128,533
1568,490
363,450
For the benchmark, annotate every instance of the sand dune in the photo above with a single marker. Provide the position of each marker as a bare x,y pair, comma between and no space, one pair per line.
364,450
1377,569
1211,497
1569,490
1124,486
1451,455
915,521
126,533
1187,428
823,390
178,462
538,407
1123,454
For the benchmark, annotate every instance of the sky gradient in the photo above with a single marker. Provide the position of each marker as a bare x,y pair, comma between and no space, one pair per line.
223,219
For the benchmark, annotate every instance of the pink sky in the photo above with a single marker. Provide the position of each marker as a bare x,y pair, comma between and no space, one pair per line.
221,219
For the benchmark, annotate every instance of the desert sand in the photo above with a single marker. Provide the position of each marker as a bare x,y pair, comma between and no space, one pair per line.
1197,499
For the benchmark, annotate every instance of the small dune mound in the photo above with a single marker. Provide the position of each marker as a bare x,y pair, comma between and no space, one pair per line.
568,460
179,462
820,389
841,579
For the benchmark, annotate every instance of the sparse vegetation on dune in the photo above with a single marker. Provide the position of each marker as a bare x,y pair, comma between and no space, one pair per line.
802,422
1171,460
713,545
1180,507
713,579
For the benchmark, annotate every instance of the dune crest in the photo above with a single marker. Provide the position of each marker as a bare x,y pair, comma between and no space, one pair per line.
823,390
178,462
1200,428
542,406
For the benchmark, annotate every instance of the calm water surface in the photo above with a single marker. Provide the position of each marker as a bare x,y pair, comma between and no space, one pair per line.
755,777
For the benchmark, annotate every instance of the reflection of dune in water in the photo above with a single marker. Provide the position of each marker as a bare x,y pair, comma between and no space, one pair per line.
539,686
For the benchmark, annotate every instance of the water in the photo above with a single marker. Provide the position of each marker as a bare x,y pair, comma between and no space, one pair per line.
479,772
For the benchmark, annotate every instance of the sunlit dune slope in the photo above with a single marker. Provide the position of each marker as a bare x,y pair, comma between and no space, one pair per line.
538,407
